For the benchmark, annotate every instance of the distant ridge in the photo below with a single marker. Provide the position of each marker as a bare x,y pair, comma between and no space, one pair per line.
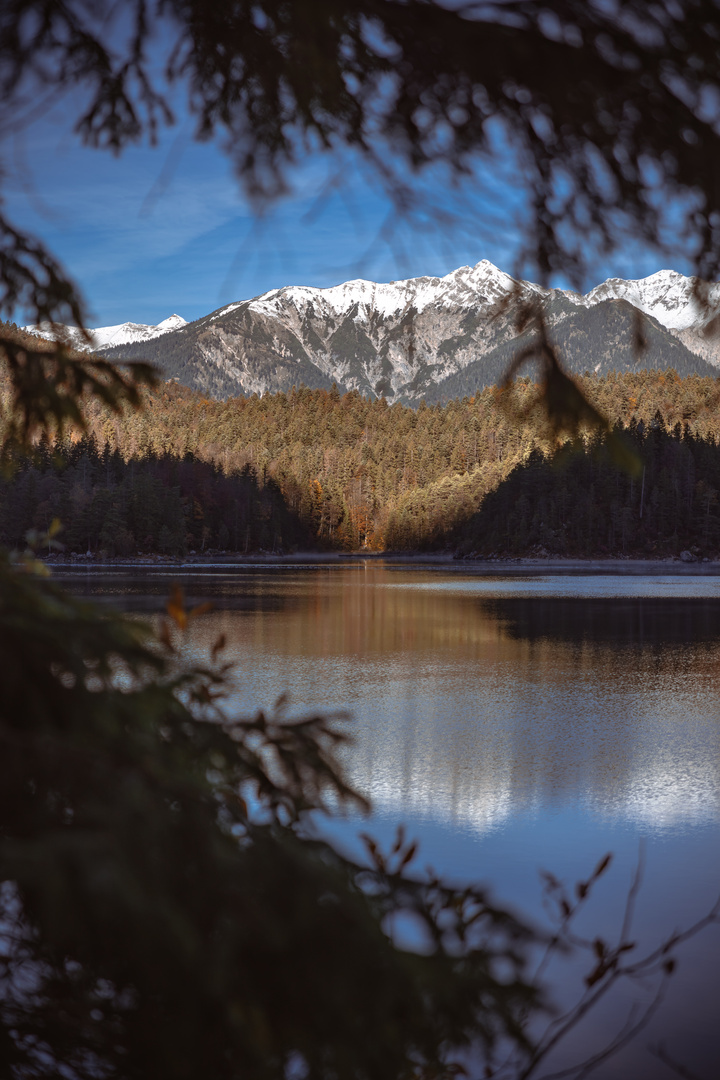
106,337
427,338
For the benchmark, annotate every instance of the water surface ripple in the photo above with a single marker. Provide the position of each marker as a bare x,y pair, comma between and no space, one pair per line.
513,724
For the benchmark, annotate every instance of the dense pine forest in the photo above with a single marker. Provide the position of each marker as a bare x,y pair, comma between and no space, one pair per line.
578,502
153,504
324,470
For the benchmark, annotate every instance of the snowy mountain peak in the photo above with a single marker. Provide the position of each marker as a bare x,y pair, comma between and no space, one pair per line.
667,296
105,337
173,322
468,286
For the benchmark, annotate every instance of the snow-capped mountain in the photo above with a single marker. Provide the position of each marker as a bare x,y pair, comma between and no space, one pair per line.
428,337
470,286
667,295
674,300
106,337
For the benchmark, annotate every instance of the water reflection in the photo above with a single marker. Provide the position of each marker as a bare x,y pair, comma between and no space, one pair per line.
616,621
477,700
512,725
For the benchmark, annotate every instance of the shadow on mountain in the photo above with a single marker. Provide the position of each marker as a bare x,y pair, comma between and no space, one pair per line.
601,339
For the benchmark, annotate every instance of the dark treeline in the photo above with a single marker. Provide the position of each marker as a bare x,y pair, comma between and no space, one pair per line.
344,472
579,502
154,503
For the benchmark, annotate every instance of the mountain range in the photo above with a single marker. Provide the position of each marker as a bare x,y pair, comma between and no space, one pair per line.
425,338
107,337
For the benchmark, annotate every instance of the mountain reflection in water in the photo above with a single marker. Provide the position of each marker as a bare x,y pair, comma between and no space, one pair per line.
471,707
474,700
511,724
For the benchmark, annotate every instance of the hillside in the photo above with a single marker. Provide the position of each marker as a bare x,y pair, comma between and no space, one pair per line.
314,468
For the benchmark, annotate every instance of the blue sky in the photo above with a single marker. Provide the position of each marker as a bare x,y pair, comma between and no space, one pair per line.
166,229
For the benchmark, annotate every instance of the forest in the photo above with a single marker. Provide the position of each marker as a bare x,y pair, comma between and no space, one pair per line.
579,502
317,469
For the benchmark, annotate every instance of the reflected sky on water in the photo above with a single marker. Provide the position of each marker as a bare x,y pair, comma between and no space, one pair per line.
513,724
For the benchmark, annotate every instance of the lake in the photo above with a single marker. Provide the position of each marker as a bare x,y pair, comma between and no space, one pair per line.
514,725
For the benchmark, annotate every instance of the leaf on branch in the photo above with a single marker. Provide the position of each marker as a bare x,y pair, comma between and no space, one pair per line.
602,866
164,636
399,839
408,856
201,609
598,973
176,607
218,646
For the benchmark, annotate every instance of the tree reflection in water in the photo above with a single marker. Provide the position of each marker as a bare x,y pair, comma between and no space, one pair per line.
513,726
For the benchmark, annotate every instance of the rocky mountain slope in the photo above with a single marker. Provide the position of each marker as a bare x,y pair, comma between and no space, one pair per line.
431,338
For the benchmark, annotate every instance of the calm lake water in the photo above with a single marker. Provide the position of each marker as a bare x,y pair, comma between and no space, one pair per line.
514,725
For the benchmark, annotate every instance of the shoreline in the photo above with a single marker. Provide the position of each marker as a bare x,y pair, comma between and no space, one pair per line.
502,567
